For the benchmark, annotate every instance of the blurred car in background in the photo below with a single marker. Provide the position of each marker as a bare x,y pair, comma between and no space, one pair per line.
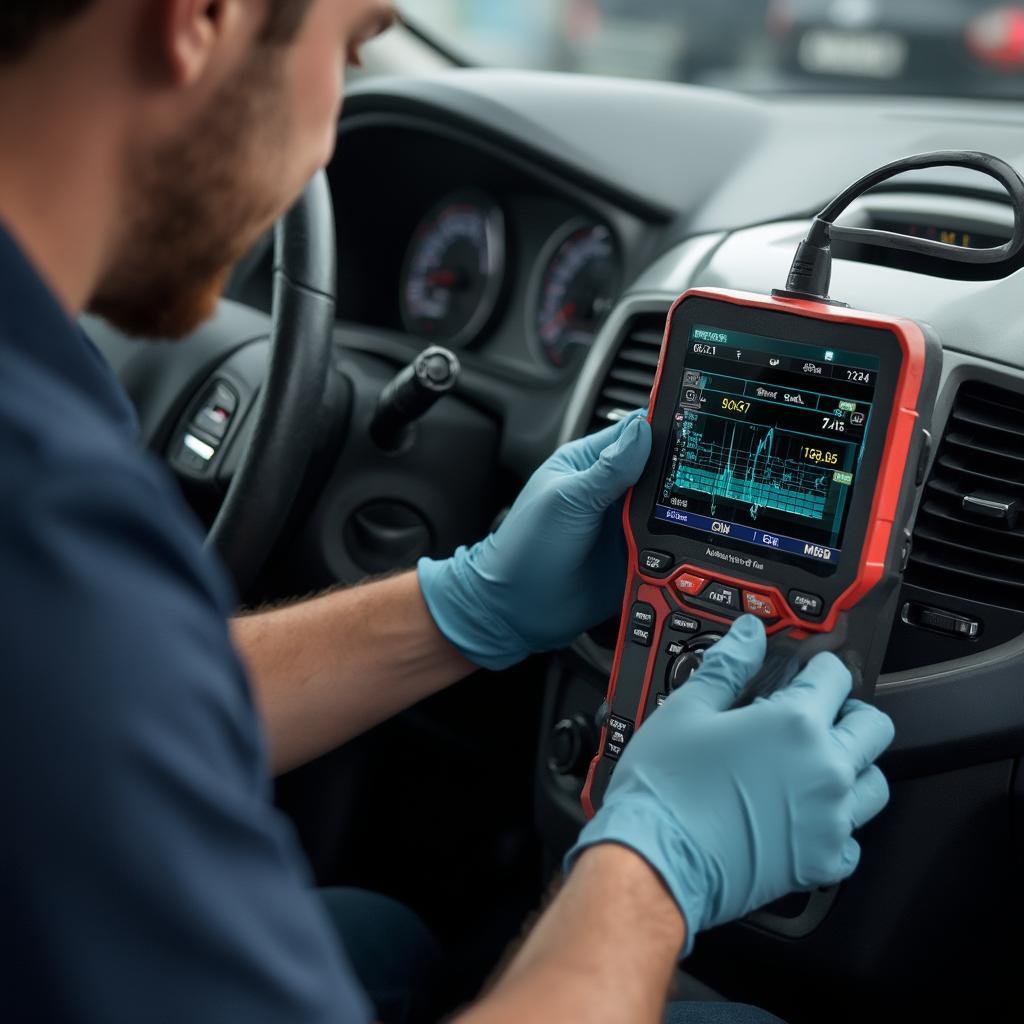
911,47
930,47
680,40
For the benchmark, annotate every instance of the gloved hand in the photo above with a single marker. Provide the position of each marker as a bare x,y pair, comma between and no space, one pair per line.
557,564
736,808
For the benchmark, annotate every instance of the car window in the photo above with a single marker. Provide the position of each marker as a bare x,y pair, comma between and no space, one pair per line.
970,48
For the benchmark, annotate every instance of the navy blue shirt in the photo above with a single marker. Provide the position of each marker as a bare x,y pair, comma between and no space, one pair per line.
144,874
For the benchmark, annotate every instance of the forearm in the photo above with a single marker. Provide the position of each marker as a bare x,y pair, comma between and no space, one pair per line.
328,669
604,951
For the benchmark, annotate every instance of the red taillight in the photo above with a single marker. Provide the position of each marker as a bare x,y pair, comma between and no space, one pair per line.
997,37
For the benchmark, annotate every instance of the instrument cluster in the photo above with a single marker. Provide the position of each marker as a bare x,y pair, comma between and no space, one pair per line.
458,278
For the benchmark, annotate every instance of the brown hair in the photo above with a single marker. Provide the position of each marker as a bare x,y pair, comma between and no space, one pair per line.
24,22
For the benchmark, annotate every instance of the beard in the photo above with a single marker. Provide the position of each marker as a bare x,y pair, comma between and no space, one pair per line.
196,207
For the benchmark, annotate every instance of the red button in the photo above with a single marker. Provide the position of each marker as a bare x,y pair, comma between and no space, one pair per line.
760,605
690,584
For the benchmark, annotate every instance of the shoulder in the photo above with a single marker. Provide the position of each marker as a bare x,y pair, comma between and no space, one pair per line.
68,469
140,789
109,599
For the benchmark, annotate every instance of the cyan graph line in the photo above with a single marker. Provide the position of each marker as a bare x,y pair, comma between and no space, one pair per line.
756,477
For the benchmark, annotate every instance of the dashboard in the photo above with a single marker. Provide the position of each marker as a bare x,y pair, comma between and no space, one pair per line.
543,226
490,211
477,251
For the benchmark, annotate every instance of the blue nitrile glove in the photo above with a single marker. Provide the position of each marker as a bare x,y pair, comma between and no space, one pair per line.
736,808
557,564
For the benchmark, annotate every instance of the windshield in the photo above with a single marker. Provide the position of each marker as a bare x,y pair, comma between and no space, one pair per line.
971,48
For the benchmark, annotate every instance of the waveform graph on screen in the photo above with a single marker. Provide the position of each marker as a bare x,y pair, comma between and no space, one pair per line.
758,467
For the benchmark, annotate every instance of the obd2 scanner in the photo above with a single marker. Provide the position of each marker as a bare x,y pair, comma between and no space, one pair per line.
790,445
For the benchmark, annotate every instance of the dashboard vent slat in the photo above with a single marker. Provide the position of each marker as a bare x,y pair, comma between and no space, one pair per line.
966,444
627,383
956,552
973,422
624,375
957,522
975,474
647,358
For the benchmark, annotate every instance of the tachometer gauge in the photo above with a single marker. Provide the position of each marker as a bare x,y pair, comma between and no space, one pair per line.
454,269
579,284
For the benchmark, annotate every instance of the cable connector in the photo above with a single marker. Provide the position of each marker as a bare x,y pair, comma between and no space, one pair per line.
810,275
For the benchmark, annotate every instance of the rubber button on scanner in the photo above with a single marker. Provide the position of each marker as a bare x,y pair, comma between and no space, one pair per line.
723,596
690,584
641,624
807,605
642,614
619,731
641,634
760,605
683,623
656,561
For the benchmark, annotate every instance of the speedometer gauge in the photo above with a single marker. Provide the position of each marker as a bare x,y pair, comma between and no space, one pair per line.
579,285
454,269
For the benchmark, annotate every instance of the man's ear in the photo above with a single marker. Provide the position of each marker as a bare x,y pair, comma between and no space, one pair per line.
189,34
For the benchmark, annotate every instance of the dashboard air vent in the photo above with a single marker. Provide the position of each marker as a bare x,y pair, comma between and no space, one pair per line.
628,382
969,538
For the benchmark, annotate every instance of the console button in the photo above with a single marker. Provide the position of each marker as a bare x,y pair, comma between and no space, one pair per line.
690,584
948,622
683,623
195,454
642,614
760,605
656,561
675,647
216,411
723,596
808,605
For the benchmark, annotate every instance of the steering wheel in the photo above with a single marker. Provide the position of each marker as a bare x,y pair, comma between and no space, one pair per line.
273,464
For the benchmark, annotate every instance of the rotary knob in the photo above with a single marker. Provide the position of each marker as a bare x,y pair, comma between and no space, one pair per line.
683,667
685,664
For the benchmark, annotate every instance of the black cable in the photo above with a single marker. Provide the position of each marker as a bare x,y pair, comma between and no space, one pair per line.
811,273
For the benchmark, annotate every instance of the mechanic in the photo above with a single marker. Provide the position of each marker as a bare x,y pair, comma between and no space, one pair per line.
146,877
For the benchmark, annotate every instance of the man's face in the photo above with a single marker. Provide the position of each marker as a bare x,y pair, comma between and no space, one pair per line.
198,202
